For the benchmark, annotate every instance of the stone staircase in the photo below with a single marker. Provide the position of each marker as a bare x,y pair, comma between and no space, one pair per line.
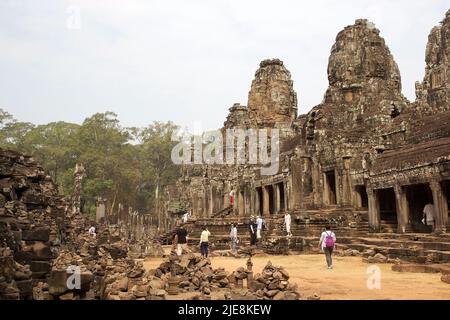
411,247
351,228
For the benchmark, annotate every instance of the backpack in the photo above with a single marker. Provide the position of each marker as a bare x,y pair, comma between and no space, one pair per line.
329,241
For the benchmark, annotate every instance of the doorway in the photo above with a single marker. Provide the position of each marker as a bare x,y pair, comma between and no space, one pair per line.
330,187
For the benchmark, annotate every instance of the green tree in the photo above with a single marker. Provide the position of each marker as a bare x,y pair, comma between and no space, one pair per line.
156,147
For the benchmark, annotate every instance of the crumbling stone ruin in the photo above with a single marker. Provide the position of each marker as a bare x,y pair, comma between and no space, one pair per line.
45,246
193,273
365,160
31,224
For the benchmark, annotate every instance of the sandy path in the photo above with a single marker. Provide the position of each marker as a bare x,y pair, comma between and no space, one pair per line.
348,279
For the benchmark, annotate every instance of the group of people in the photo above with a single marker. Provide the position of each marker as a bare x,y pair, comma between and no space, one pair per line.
181,238
327,240
256,227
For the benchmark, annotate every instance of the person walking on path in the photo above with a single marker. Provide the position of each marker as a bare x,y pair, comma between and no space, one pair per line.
181,240
204,238
327,244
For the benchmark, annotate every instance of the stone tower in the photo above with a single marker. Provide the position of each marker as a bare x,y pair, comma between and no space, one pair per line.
272,99
434,92
364,80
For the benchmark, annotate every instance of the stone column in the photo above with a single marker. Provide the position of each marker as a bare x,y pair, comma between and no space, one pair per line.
256,202
79,174
277,196
266,201
211,202
317,188
100,209
403,221
374,210
440,205
325,193
339,190
287,196
346,183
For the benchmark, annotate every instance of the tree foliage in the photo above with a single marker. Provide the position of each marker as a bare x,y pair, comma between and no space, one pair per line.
123,165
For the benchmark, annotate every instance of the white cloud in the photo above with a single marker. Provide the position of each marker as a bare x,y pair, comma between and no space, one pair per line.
184,60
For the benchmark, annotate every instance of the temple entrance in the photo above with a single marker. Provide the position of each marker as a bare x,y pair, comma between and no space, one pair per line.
388,208
271,191
330,187
446,191
418,196
362,201
259,201
282,200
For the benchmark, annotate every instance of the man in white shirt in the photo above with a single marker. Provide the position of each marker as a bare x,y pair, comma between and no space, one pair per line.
259,226
92,232
287,223
233,238
204,240
429,214
327,244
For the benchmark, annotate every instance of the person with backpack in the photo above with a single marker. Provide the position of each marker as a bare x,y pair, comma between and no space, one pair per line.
326,244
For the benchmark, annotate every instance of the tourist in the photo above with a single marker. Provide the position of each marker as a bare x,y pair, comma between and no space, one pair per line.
233,238
204,238
185,217
232,198
259,227
182,237
92,232
252,230
429,215
287,223
327,244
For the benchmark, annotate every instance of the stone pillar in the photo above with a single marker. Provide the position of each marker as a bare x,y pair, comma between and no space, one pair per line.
266,201
296,182
374,210
440,205
339,189
326,190
346,183
256,202
211,202
79,174
403,221
248,201
277,196
100,209
317,188
287,197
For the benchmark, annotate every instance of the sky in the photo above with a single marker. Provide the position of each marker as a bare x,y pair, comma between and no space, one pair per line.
184,61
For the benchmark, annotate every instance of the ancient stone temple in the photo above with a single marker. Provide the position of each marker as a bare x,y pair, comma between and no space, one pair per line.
366,157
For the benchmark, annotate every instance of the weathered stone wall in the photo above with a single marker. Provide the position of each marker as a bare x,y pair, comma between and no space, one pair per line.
363,137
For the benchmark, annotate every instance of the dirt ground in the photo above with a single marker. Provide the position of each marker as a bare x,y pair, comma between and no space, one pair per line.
347,280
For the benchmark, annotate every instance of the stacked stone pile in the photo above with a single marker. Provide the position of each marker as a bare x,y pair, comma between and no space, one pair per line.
273,284
195,274
31,220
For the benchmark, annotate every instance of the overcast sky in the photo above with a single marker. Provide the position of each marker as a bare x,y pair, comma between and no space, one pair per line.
185,61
